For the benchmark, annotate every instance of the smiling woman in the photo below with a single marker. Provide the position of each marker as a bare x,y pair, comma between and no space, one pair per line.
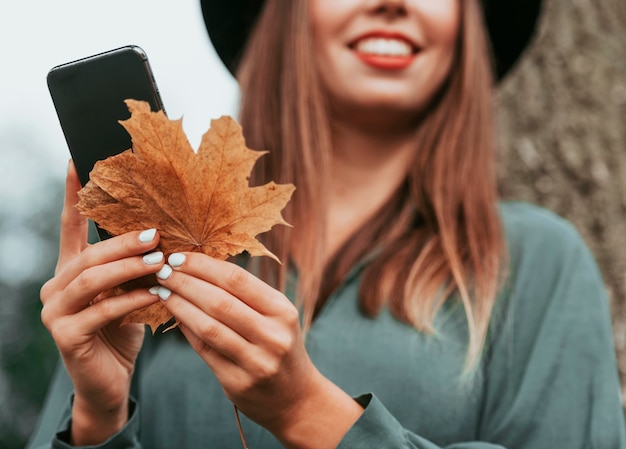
435,314
370,117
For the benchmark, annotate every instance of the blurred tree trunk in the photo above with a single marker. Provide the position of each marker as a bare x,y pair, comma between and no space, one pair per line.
562,116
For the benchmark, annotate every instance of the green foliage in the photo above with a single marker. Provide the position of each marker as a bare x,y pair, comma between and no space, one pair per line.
28,355
28,359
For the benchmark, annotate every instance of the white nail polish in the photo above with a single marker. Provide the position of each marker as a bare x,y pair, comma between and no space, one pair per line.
165,272
153,258
154,290
147,235
176,259
164,293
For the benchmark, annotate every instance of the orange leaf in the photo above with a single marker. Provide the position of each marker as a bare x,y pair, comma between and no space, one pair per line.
198,201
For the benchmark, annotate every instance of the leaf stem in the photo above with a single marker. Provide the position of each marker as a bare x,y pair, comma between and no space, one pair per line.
243,439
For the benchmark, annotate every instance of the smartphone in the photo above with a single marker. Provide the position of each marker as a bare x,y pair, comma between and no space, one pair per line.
88,95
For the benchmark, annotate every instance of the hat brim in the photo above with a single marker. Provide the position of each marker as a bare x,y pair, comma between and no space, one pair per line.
511,25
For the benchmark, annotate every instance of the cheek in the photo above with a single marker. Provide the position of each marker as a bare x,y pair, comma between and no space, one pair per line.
329,19
442,21
323,17
320,14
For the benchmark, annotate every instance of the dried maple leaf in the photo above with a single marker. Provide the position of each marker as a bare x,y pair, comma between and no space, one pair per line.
198,201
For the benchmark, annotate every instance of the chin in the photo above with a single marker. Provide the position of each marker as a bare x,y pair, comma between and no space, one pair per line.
386,102
379,114
386,95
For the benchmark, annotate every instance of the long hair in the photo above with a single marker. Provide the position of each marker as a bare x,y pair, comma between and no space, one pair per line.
438,238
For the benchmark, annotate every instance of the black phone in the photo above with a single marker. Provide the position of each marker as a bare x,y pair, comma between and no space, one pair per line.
88,95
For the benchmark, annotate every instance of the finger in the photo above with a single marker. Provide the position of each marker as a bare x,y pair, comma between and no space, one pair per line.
214,335
74,227
233,279
98,315
95,280
127,245
217,303
228,373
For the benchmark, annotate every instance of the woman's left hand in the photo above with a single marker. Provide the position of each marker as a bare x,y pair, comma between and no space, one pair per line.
249,334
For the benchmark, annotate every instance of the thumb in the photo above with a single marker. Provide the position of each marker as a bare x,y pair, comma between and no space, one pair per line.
74,227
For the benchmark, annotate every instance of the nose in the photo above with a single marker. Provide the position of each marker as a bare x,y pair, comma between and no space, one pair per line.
389,8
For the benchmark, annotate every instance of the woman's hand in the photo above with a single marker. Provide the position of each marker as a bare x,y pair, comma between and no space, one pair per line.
98,353
249,334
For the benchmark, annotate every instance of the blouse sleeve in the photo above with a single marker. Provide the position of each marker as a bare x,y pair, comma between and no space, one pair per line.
550,371
378,428
54,422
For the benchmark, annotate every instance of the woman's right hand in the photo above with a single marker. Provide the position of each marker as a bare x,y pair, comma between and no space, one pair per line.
98,352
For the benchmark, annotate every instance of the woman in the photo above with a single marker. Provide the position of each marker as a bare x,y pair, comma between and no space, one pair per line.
434,316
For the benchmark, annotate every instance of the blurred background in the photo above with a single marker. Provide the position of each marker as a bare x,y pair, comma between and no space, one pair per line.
562,116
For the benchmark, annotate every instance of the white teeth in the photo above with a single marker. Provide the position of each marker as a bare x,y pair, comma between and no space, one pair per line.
383,46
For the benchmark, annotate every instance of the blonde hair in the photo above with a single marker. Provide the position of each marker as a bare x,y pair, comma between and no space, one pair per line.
440,233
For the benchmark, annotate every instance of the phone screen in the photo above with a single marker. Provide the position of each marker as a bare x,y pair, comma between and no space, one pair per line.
89,95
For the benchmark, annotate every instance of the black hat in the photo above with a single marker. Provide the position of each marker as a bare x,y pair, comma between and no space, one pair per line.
511,24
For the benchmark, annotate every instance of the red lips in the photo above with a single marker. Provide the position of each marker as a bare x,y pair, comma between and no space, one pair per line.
385,50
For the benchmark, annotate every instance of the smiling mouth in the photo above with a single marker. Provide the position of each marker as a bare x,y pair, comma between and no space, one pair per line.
383,46
385,52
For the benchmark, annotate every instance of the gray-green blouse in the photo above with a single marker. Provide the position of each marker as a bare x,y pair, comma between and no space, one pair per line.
548,378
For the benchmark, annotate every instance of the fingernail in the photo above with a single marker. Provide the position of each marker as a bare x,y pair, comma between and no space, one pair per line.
176,259
165,272
153,258
147,235
164,293
154,290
